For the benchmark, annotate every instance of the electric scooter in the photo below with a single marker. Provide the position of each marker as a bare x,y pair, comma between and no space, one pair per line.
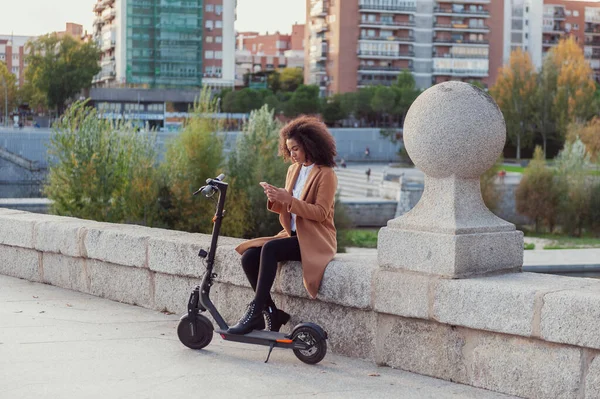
307,340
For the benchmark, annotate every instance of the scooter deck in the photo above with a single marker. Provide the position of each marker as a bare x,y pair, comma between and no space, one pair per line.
259,337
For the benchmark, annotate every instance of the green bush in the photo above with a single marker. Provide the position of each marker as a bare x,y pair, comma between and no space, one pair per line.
101,170
254,160
538,193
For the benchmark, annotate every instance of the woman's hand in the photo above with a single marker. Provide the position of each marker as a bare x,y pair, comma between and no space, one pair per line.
275,194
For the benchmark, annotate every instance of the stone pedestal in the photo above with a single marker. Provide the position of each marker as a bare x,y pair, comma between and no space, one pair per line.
453,132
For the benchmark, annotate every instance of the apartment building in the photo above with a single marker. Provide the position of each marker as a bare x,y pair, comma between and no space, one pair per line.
268,52
536,26
159,44
13,49
370,42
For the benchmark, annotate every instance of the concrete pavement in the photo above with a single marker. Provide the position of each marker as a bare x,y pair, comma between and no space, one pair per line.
56,343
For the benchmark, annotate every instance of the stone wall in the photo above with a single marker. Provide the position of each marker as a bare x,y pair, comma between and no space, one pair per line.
519,333
369,212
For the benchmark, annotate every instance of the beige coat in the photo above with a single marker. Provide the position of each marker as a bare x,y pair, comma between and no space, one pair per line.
314,223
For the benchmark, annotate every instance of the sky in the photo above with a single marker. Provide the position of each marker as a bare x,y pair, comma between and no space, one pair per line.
37,17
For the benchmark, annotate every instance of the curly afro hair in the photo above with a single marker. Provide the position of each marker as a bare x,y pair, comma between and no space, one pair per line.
313,136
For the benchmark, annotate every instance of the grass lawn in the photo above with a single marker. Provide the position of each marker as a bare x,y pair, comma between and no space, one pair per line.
565,242
513,168
362,238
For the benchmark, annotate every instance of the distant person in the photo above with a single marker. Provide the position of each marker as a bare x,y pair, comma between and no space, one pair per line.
501,175
368,173
367,152
343,163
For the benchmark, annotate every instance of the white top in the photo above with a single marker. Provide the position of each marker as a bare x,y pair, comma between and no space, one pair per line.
304,172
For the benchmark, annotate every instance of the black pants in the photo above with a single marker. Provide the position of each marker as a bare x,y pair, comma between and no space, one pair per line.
260,265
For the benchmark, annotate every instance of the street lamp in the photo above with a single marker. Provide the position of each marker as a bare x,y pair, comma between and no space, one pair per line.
5,100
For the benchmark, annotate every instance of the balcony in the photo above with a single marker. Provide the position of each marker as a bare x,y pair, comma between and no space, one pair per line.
386,54
554,29
319,9
407,39
479,73
99,6
592,31
461,28
319,70
595,43
462,56
109,14
379,69
593,56
449,41
320,27
559,15
390,9
462,13
387,24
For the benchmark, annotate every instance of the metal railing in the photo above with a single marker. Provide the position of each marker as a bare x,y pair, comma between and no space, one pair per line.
441,10
449,40
386,53
389,38
364,7
389,23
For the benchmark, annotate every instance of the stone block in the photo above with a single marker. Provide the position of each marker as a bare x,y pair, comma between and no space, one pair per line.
344,283
571,316
351,331
592,379
121,283
172,252
402,293
449,255
171,293
118,244
20,262
420,346
17,229
505,303
524,367
63,236
228,266
66,272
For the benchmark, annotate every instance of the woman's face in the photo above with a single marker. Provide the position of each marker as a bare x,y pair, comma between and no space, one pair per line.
296,151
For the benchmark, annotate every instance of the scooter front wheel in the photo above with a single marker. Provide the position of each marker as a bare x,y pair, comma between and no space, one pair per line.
317,346
195,336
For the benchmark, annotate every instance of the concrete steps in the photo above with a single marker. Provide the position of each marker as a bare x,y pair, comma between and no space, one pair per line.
353,183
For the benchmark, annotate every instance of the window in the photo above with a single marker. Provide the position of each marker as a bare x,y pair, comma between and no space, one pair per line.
575,26
219,39
219,24
209,24
575,13
219,9
209,39
218,55
210,8
209,54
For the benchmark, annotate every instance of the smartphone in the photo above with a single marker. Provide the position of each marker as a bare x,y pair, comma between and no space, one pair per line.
264,184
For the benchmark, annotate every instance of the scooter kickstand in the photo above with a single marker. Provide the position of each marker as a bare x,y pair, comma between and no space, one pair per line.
270,350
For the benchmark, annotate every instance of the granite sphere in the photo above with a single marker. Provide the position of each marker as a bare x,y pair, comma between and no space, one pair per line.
454,128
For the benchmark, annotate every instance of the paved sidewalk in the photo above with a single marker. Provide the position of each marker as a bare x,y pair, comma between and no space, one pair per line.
56,343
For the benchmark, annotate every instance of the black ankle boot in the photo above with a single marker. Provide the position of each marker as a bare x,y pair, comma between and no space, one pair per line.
275,317
251,320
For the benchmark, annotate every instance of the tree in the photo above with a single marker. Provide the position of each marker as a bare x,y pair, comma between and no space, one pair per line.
362,105
305,100
537,196
544,116
514,92
383,101
274,81
103,170
575,86
332,110
406,94
59,68
589,134
256,159
191,157
348,103
571,165
291,78
8,90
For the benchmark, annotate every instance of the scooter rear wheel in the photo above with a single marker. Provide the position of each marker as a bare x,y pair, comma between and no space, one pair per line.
317,345
198,337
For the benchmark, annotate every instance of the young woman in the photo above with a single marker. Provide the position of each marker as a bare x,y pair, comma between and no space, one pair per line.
305,208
